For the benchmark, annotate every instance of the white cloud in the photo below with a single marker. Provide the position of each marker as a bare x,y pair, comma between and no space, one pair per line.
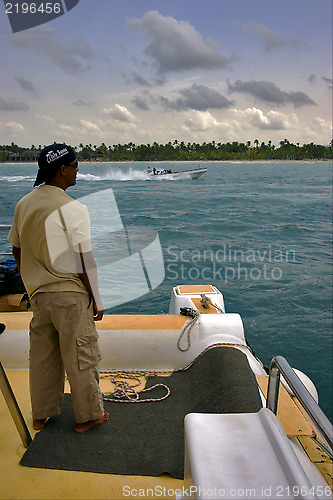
271,121
90,127
83,127
69,130
120,113
13,128
201,121
45,118
321,126
241,120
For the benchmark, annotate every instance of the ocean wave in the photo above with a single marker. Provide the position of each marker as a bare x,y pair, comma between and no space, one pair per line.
16,178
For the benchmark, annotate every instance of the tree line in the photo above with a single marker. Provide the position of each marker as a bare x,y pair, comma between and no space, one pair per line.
181,151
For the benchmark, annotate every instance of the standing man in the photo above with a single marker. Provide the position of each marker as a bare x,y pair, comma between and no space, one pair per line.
50,235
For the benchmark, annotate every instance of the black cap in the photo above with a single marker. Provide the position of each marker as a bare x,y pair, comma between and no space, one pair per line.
51,159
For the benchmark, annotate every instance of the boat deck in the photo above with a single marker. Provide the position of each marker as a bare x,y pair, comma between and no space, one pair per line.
18,482
145,335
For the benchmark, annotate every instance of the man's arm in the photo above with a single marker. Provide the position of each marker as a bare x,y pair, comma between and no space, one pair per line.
89,278
17,256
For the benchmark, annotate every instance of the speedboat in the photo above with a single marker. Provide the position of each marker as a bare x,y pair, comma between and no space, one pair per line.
194,413
169,175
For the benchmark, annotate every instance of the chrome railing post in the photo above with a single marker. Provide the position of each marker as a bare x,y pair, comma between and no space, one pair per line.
280,364
273,388
14,408
9,396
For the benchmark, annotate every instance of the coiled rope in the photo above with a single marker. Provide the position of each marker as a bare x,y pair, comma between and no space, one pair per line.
124,392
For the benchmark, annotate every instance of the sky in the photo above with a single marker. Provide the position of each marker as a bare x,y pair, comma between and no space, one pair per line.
121,71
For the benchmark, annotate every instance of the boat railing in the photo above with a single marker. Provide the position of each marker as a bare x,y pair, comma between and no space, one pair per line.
8,392
279,365
14,408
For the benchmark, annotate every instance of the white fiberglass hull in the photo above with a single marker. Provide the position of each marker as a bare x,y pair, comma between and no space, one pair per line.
187,174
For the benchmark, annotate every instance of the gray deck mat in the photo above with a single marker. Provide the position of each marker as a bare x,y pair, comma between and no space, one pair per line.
148,438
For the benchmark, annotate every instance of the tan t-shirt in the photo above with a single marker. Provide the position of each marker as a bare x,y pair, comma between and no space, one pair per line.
51,229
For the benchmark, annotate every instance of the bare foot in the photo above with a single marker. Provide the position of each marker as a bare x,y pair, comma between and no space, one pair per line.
39,424
85,426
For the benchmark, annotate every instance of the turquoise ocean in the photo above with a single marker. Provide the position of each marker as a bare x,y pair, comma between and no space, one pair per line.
260,232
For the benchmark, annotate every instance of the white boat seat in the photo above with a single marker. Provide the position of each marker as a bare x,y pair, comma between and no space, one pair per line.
241,456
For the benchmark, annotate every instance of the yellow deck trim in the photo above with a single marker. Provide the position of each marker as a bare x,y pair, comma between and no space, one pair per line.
319,457
19,482
293,421
13,302
142,322
16,320
196,289
21,320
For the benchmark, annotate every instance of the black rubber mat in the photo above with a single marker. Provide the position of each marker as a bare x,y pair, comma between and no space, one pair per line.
148,438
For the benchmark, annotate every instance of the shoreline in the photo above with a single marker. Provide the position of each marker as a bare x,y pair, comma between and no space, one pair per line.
143,162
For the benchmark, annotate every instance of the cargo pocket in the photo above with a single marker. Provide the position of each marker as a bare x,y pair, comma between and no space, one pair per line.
88,353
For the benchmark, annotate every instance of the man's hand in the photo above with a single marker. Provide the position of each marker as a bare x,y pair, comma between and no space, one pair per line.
98,312
89,278
17,256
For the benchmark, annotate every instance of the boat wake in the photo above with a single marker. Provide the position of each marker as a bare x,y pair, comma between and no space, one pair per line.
112,174
116,175
16,178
